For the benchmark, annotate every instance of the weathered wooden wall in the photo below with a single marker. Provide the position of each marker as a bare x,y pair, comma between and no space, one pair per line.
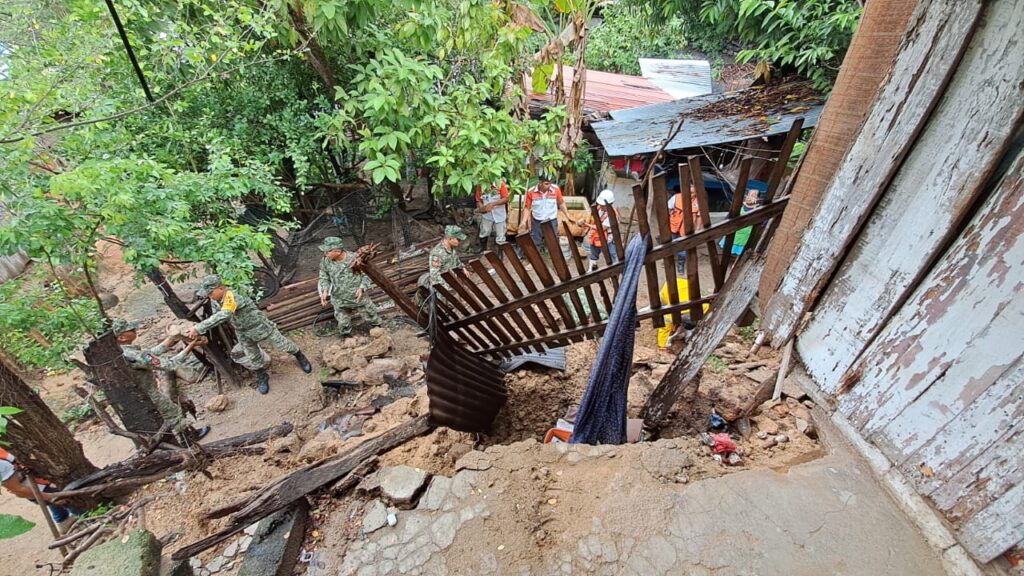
913,272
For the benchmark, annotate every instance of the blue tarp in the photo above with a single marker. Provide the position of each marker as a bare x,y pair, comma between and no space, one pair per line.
602,415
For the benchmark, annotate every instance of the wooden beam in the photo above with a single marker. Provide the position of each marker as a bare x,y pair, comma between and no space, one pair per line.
736,295
932,50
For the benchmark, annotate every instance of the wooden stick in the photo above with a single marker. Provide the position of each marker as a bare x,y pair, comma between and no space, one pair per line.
787,354
38,497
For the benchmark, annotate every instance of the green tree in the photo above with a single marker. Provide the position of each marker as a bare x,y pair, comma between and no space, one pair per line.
629,32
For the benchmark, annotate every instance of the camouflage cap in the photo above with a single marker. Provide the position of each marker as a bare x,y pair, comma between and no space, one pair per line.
451,231
331,243
207,284
120,325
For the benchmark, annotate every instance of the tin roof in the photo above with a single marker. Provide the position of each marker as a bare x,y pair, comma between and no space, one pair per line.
680,78
711,119
605,91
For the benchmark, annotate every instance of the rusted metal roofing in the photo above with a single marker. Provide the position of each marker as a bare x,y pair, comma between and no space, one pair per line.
606,91
466,392
680,78
711,119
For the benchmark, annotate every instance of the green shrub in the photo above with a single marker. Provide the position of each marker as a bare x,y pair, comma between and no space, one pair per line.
34,306
629,32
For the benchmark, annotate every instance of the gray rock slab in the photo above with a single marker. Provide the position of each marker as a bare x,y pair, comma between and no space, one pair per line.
375,516
401,485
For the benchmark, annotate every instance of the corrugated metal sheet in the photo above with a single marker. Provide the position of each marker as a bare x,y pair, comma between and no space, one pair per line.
552,358
708,119
606,91
680,78
466,392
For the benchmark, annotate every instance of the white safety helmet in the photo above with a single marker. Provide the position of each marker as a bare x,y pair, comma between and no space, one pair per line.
606,197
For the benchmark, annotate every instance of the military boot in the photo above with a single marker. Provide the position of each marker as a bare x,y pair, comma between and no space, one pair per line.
303,362
262,381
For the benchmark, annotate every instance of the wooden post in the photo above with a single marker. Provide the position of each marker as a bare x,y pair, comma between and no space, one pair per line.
38,496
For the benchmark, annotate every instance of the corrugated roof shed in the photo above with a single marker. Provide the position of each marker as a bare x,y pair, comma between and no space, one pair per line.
606,91
711,119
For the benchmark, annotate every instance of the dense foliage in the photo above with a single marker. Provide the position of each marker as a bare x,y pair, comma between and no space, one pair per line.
808,36
628,32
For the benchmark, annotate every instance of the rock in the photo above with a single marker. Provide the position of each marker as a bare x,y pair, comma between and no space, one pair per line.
176,567
809,404
218,403
275,546
251,528
375,516
138,555
323,445
244,542
376,370
474,460
392,519
806,428
377,347
791,390
401,485
216,564
377,332
658,372
436,493
781,410
644,355
291,444
664,464
766,425
108,300
231,550
195,563
341,358
781,438
370,484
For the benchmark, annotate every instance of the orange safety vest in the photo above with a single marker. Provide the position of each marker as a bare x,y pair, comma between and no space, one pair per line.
595,237
675,215
5,455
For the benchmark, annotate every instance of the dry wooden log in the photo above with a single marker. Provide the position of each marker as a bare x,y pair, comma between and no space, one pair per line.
745,366
130,472
298,484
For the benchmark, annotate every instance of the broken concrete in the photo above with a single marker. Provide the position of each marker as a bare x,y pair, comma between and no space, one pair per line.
137,555
375,516
401,485
822,517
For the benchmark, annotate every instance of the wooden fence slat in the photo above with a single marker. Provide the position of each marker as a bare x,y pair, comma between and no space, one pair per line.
717,272
500,296
596,329
650,268
661,214
692,258
459,285
524,275
484,329
515,291
932,49
734,210
603,236
530,250
562,269
581,269
993,530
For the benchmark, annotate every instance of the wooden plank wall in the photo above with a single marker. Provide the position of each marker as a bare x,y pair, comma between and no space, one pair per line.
937,37
914,269
942,387
934,191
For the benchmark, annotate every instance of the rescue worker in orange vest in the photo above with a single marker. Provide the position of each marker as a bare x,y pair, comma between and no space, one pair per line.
675,219
543,204
15,479
605,204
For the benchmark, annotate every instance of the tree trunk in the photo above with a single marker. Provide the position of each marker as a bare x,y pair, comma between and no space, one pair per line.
124,386
37,437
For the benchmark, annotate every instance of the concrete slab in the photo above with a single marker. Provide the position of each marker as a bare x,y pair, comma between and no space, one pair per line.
596,511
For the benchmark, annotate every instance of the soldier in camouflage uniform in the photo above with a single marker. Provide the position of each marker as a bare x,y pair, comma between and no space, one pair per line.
346,289
169,402
251,326
443,257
